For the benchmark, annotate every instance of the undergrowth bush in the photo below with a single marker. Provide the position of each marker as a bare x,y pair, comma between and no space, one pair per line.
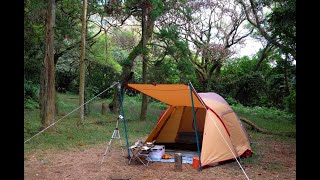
290,102
30,104
264,112
31,95
271,119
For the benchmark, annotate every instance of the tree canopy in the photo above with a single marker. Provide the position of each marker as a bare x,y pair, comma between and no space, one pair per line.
184,41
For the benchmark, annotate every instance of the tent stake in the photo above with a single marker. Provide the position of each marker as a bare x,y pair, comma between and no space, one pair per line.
124,120
195,125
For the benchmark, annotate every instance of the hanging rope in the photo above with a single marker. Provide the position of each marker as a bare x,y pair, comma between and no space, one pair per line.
71,112
235,157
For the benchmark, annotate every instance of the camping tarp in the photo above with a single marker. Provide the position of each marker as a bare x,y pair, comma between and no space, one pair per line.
171,94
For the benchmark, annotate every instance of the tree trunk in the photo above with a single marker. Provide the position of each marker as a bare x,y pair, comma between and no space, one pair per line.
263,55
126,74
286,81
82,64
114,106
144,104
103,108
47,91
106,39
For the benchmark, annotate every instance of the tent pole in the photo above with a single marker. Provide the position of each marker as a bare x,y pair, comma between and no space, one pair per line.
195,125
124,120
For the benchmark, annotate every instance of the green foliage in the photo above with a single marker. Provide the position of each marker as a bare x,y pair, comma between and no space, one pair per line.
244,65
186,70
171,71
239,81
99,78
231,101
171,36
278,89
175,66
290,102
282,22
103,67
169,32
34,39
126,62
30,104
251,88
98,53
264,87
31,91
164,72
66,23
157,8
66,73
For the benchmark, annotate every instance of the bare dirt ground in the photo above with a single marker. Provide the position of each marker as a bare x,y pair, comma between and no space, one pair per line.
272,159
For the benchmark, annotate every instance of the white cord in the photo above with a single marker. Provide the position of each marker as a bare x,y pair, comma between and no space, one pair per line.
70,113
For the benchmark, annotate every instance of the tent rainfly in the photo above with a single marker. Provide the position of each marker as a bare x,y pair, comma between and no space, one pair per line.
220,133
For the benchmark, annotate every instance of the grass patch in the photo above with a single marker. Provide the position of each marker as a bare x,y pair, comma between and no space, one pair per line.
68,135
97,128
267,118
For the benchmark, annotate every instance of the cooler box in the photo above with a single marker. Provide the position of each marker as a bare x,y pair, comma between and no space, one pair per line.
156,152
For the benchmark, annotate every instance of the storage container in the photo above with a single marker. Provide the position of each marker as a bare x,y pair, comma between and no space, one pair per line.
157,152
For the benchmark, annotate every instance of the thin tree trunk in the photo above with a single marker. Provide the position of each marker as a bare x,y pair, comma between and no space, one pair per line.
144,104
286,82
263,55
48,77
114,106
126,74
82,64
106,39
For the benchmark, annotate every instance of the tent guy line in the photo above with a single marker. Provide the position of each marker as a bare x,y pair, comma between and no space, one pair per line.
71,112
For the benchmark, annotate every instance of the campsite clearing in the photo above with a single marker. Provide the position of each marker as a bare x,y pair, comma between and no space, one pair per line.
274,157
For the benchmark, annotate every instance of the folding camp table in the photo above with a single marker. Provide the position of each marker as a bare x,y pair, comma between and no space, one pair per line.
139,152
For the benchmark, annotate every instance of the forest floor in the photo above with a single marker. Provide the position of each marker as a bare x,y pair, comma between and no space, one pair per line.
274,157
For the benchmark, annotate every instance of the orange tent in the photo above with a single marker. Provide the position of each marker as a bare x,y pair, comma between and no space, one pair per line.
220,132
